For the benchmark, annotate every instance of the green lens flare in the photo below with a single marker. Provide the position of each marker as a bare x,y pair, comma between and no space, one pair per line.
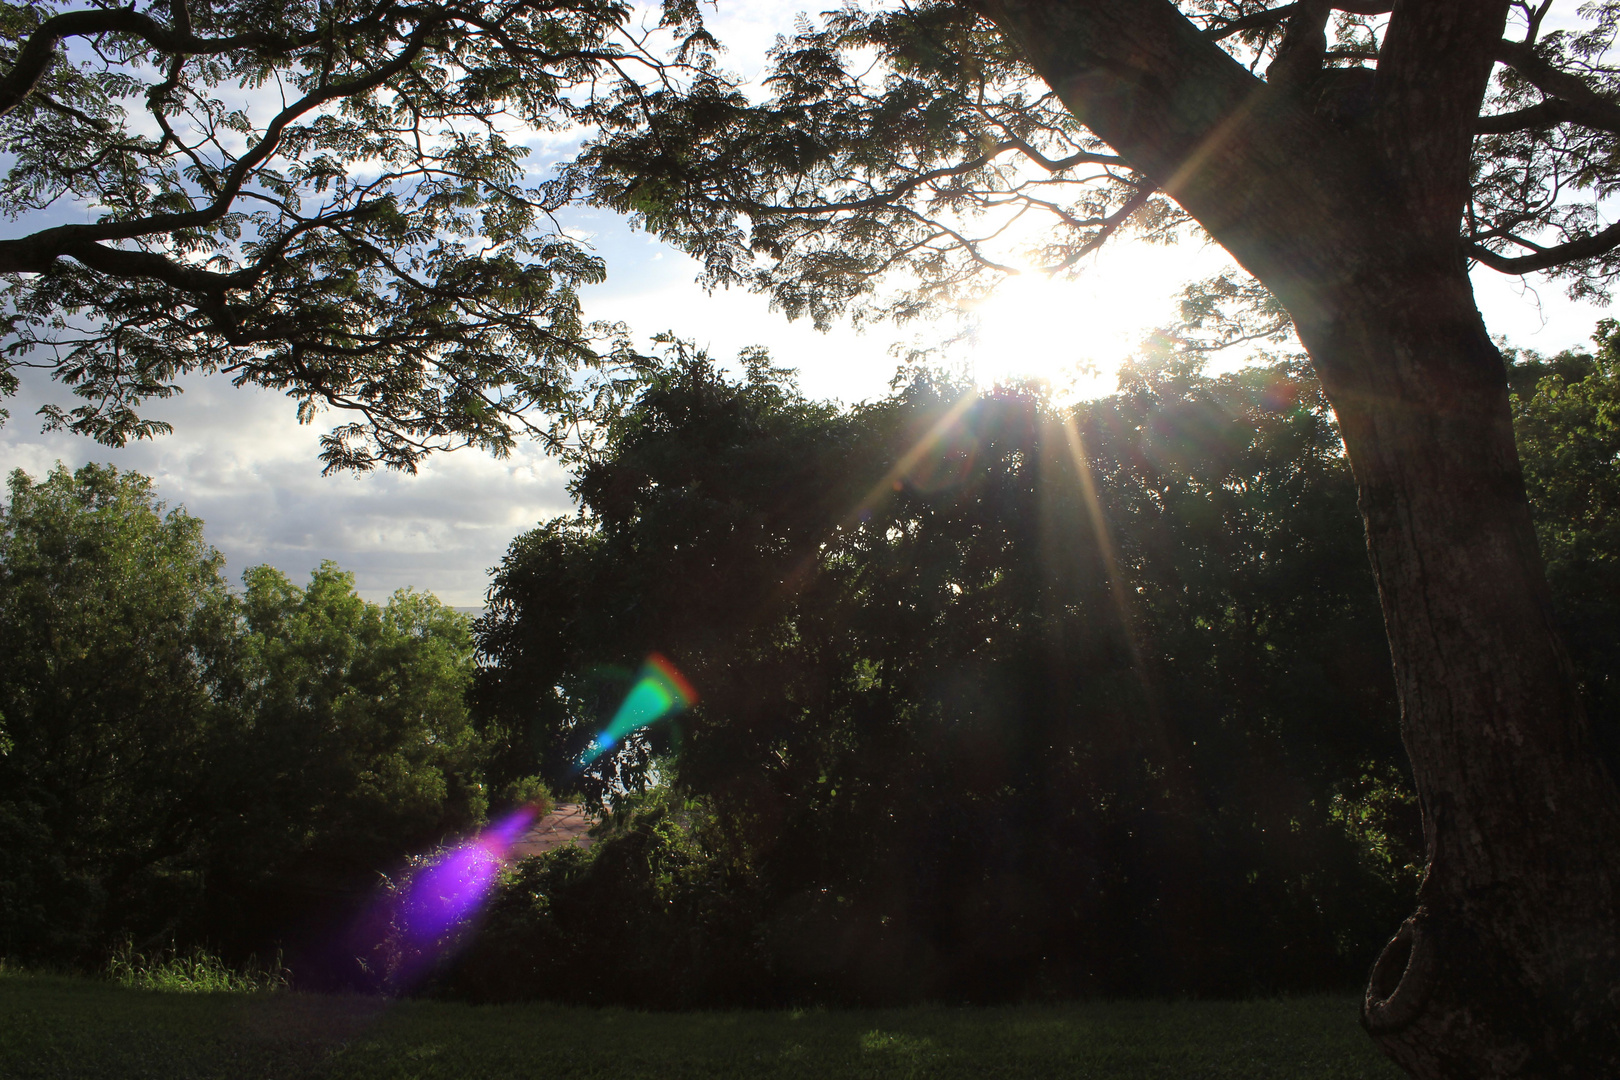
660,692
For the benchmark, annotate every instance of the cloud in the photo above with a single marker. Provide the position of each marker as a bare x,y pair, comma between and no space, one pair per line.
239,460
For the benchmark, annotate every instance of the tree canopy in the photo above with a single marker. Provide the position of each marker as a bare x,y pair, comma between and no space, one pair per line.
941,758
982,738
330,200
334,201
911,155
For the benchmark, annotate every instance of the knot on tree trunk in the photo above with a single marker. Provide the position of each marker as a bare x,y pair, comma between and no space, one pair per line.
1402,978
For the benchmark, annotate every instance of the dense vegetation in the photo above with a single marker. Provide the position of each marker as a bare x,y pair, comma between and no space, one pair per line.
954,742
999,700
185,763
974,725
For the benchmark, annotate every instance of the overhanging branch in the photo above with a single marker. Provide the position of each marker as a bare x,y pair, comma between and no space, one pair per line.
33,254
1587,247
1551,113
1574,99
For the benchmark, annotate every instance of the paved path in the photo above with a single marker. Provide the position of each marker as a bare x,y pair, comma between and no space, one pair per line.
566,824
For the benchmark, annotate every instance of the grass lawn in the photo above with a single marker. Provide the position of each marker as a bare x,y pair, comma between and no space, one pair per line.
53,1027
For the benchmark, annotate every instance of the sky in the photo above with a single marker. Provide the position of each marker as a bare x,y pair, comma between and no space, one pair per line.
239,459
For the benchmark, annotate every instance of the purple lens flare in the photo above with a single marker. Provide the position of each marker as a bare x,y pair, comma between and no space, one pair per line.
423,915
436,899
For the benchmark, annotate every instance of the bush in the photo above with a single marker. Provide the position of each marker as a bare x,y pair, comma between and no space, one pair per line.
653,915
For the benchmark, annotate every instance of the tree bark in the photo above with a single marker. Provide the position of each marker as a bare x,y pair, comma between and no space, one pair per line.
1510,967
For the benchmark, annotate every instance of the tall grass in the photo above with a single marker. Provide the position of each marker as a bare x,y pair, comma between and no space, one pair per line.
195,972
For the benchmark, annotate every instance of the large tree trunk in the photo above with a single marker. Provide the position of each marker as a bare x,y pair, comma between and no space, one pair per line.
1511,964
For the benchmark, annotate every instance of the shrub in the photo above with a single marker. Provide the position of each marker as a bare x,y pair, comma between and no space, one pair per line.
654,915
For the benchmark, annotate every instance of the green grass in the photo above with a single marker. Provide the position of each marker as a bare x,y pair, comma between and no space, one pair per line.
60,1027
196,972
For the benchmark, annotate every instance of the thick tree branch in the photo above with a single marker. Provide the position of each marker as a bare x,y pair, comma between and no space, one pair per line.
1249,163
1589,107
39,52
1254,21
123,263
1272,16
1303,47
1587,247
1599,116
1432,76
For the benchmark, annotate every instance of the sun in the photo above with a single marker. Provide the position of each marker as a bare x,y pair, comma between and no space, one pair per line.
1074,334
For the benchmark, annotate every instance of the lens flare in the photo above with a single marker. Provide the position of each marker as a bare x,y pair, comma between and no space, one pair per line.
423,914
659,692
436,898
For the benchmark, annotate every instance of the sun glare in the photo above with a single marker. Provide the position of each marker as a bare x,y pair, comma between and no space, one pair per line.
1074,334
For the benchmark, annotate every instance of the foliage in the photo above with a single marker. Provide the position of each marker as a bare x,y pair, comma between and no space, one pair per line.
657,914
1567,416
115,637
189,764
1547,156
195,972
853,171
1376,811
325,199
526,791
93,1029
359,748
958,742
359,708
369,238
577,604
909,156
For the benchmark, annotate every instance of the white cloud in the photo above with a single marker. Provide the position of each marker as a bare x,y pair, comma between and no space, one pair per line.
239,460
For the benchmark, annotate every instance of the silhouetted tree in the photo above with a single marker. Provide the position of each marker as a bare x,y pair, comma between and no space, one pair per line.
1356,180
956,753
